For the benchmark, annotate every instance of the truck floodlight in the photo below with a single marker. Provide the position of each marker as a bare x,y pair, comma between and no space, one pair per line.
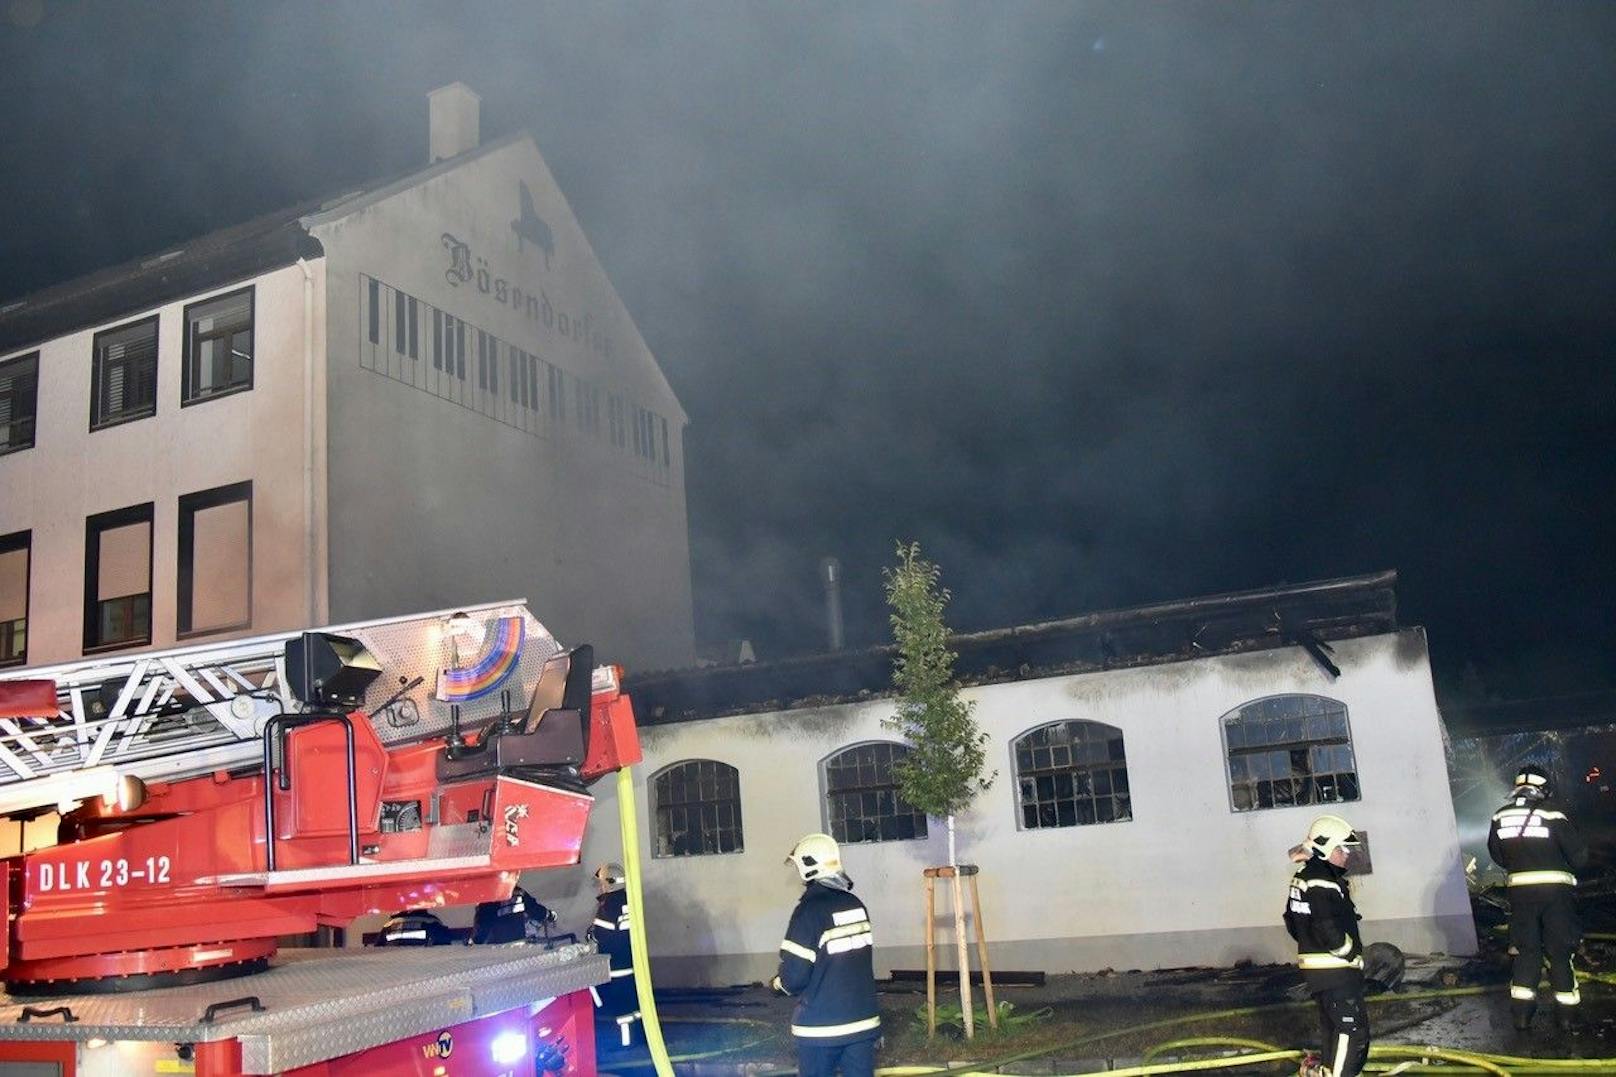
508,1048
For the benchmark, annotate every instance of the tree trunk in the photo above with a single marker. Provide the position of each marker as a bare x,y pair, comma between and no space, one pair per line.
953,862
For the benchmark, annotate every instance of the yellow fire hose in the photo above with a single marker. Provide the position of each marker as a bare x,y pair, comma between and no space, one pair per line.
629,819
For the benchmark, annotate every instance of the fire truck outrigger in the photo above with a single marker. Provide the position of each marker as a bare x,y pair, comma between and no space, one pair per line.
214,798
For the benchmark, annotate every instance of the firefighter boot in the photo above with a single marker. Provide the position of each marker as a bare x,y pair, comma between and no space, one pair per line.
1521,1014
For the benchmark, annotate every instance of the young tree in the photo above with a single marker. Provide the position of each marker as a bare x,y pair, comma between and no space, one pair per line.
944,772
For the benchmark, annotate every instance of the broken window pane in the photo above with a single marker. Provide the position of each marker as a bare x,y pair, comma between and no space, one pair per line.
1064,769
1289,750
697,809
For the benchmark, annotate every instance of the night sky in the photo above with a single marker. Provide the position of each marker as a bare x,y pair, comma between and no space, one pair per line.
1104,303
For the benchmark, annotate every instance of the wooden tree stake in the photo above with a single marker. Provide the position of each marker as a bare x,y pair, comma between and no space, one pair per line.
957,910
982,954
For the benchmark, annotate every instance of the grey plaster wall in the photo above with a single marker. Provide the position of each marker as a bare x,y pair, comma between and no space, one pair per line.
442,495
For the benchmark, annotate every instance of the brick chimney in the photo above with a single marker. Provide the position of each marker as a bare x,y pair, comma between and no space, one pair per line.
451,120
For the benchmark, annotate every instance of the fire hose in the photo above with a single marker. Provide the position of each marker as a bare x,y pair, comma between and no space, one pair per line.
1448,1060
628,818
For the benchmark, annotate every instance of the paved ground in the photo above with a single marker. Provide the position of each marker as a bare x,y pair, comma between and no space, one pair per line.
744,1029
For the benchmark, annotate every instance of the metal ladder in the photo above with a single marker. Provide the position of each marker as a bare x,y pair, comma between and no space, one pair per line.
186,712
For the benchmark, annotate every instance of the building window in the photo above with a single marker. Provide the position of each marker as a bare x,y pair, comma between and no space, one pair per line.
15,562
697,808
375,311
532,381
862,803
1072,774
123,379
667,456
117,578
19,399
215,560
218,347
1289,750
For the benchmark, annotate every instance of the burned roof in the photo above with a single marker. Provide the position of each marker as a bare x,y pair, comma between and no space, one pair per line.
1306,615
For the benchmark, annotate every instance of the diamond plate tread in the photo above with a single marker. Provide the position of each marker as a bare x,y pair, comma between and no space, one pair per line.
318,1006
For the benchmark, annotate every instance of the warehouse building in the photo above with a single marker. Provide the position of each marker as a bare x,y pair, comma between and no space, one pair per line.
1133,748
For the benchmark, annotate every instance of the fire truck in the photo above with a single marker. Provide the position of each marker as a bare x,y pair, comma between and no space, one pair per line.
211,800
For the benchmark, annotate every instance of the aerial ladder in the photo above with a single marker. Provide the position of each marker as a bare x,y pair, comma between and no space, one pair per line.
210,800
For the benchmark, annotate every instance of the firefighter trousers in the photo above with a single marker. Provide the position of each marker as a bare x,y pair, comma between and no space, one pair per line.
1344,1028
856,1059
1543,920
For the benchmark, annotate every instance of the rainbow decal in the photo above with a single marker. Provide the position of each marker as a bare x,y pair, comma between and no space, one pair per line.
495,664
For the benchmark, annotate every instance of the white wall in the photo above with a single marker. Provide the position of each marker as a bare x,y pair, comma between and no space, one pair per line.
72,473
1186,882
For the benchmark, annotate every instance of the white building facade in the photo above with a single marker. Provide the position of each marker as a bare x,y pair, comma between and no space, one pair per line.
1141,816
415,396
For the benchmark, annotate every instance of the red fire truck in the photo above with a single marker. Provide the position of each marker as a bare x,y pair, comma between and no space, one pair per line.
211,800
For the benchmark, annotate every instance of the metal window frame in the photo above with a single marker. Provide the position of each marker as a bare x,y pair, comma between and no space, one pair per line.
1015,771
655,803
94,527
185,556
21,540
33,428
188,397
825,818
97,375
1228,772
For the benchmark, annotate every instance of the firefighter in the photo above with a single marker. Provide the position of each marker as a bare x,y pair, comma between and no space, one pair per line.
1319,915
519,918
617,1001
826,963
414,927
1542,852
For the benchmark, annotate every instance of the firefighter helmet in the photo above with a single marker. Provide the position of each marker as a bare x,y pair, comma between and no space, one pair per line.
1532,781
815,856
610,876
1329,833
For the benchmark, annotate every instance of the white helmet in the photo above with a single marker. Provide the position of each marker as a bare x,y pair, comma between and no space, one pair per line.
816,855
1329,833
610,876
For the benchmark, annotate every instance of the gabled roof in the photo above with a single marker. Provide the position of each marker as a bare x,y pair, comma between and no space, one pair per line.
216,259
1306,615
212,260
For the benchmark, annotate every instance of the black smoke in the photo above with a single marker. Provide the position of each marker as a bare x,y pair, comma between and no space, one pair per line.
1104,303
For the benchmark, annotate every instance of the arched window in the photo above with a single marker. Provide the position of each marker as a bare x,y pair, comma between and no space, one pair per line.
696,805
861,795
1289,750
1072,774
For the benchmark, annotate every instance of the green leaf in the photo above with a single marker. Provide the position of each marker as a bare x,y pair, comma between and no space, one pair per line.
945,771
